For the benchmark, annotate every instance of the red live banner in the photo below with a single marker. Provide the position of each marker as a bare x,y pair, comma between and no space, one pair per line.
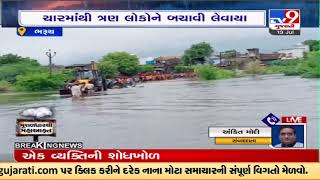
165,155
294,119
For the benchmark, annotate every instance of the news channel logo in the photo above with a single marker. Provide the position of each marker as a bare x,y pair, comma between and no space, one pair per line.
284,21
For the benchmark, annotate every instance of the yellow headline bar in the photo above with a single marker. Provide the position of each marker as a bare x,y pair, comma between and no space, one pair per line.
243,140
159,170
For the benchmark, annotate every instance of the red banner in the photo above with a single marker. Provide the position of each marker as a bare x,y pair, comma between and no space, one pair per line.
294,119
161,155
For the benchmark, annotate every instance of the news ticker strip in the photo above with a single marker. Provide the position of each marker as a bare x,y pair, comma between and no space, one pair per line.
147,18
159,170
166,155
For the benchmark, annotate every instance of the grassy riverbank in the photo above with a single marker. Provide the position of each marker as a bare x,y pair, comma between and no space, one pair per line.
208,72
307,67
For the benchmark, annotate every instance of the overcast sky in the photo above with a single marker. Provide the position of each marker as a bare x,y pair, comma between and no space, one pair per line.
84,45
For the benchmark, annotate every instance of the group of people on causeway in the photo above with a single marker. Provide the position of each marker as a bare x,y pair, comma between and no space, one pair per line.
79,88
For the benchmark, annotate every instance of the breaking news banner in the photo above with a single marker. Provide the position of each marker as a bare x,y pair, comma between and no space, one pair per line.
159,171
148,18
48,145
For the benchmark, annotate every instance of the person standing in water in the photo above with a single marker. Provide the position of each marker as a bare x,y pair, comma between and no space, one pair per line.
76,91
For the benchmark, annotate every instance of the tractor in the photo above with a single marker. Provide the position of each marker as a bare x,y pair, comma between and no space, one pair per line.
86,74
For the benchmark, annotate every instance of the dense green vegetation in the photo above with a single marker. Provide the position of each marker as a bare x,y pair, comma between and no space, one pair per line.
25,74
12,65
13,59
42,81
146,68
184,69
208,72
307,67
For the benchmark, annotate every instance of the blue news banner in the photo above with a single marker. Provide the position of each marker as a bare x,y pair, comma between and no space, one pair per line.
40,31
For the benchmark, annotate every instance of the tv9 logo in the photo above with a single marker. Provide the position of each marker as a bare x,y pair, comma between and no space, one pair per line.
282,16
284,21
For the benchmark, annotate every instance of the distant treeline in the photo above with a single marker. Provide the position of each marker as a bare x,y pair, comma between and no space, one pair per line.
25,74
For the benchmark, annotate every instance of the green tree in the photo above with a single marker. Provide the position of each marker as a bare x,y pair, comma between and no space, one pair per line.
146,68
127,64
108,69
313,44
197,53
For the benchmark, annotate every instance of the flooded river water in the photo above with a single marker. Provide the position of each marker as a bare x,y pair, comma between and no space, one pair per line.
167,114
